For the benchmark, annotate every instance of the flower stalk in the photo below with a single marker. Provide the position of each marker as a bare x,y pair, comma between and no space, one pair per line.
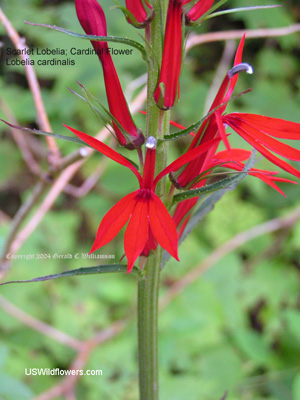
157,125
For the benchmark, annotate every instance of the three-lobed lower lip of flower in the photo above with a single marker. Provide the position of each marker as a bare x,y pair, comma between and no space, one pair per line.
141,10
149,220
92,19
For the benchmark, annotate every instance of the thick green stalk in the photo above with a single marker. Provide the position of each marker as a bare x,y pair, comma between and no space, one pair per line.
157,125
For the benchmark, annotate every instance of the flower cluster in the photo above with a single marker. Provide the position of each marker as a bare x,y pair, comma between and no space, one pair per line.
150,223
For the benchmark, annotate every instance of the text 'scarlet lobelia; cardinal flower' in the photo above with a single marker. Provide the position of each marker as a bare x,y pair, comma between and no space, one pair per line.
149,220
168,83
142,12
92,20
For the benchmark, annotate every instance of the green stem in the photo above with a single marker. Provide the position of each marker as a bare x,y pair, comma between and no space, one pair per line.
148,328
157,125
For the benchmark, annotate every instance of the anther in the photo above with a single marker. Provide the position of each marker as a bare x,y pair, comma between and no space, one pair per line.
151,142
240,68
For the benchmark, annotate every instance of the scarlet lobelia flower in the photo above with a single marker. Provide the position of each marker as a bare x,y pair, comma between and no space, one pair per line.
196,12
168,84
92,20
141,10
149,220
255,129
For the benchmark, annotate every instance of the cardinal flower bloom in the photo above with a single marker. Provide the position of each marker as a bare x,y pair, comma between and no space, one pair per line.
92,20
255,129
149,220
168,84
209,128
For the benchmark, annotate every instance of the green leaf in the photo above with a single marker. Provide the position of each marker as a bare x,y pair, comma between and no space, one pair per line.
99,269
38,132
115,39
213,187
235,10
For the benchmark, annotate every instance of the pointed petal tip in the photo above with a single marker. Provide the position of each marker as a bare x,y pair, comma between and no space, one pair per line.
129,269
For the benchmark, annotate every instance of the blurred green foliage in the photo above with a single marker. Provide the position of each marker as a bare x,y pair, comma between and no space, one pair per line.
238,327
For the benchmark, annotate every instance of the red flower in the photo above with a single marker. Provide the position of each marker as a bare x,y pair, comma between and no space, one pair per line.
92,20
196,12
257,130
209,129
168,84
149,220
141,10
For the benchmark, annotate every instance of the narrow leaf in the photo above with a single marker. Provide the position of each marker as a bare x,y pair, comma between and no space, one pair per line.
115,39
235,10
38,132
213,187
99,269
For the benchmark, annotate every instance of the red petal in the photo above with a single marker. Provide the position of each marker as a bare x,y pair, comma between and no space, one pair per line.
106,150
272,126
273,144
269,182
275,160
185,158
137,232
137,9
151,243
180,127
171,59
222,131
234,155
163,226
200,8
237,60
92,20
114,220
